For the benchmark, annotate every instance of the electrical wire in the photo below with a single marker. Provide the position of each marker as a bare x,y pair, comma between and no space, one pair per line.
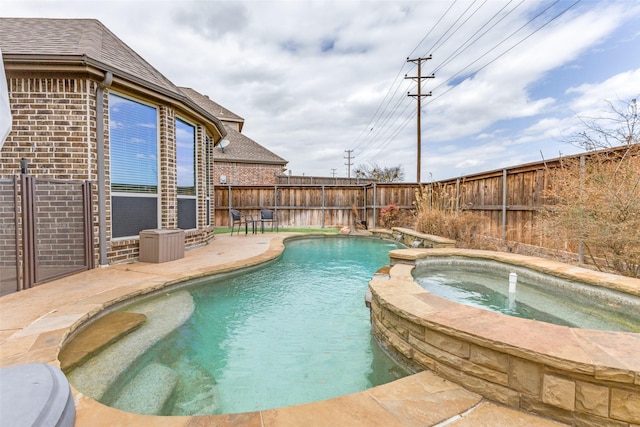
357,143
376,145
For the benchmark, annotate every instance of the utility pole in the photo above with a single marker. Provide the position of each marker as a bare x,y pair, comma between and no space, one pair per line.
333,172
419,96
349,158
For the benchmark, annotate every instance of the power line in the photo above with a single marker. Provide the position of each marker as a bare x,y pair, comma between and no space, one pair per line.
506,51
438,43
463,48
358,142
368,143
434,27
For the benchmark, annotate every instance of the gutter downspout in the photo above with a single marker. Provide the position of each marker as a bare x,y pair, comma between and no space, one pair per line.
102,190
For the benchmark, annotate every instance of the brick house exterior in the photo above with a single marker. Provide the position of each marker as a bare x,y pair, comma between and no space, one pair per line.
243,161
66,80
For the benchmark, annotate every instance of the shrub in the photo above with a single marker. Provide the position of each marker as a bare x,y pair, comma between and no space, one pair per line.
392,216
596,203
463,227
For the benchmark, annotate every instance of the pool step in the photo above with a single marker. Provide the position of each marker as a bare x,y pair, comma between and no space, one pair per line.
164,314
97,336
148,392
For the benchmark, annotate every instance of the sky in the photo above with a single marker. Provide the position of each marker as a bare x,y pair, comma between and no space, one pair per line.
327,84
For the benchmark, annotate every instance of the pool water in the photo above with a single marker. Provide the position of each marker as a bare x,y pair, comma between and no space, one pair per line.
294,331
537,296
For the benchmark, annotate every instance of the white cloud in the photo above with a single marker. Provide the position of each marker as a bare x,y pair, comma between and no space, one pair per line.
308,76
590,97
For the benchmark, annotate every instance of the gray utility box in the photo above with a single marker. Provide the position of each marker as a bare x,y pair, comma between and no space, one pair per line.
161,245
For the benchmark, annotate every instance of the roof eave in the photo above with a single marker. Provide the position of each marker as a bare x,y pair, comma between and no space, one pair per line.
246,161
82,63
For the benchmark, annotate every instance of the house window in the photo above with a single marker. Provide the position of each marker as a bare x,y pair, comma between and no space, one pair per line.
186,174
133,142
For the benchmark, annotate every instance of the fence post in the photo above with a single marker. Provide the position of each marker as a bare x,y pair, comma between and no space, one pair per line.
28,232
323,206
19,284
275,200
582,174
229,220
504,205
457,195
375,202
364,203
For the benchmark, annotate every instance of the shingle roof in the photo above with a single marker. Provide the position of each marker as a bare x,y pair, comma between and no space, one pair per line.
212,107
65,39
241,148
86,42
245,150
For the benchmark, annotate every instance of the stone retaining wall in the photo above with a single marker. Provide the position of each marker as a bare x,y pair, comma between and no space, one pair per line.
576,376
413,239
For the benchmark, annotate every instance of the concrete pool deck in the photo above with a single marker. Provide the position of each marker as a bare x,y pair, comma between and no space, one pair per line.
34,324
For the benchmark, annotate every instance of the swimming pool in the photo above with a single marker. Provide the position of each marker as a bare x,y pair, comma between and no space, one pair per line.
293,331
537,296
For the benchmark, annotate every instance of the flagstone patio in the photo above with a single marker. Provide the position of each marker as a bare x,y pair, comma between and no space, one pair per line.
35,323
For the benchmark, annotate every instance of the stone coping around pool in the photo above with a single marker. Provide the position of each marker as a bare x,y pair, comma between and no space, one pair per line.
35,323
561,270
411,237
575,376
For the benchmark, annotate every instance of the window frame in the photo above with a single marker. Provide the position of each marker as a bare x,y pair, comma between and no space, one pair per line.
133,193
196,189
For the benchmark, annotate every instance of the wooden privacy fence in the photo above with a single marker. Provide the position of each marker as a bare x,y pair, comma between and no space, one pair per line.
509,200
295,205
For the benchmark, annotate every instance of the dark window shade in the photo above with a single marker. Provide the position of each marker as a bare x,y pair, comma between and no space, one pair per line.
208,212
186,214
130,215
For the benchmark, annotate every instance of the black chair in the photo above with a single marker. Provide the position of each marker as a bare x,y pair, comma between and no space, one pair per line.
267,215
237,218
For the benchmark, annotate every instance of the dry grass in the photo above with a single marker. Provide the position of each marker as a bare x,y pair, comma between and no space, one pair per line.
463,227
597,203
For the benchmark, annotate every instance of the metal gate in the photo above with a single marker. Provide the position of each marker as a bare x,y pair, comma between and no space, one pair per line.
47,222
9,248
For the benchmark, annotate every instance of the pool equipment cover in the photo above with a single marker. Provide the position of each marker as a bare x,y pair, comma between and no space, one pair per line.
35,394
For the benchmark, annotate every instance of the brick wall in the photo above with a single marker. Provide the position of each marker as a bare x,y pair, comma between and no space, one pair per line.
54,128
168,176
51,128
246,173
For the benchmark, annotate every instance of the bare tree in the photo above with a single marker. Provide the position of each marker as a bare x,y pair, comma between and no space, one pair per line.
380,174
618,126
597,197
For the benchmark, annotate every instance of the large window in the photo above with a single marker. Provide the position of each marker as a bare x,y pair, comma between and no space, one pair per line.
186,171
133,140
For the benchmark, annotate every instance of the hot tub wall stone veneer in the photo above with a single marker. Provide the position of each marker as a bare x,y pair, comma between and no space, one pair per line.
576,376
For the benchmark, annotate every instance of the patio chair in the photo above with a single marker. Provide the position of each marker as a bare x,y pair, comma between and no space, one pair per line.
238,218
267,215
